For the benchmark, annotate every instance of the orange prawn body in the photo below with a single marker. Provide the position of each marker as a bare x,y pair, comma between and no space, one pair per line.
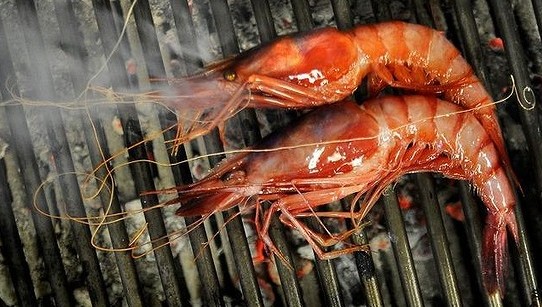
327,65
343,148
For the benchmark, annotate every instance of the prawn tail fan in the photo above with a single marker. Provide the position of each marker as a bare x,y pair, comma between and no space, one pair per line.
495,250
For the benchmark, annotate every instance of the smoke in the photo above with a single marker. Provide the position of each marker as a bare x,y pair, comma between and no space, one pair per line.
51,71
56,72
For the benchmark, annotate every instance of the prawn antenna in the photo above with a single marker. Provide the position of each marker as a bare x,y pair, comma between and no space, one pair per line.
115,48
526,98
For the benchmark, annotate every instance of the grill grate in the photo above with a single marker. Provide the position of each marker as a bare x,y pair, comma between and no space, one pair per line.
402,283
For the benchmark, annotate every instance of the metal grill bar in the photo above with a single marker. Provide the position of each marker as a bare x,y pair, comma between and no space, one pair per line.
325,268
291,288
44,227
431,207
12,247
98,152
537,6
119,235
13,250
529,118
343,15
86,253
367,274
401,249
235,229
214,289
473,52
198,237
439,240
516,58
289,282
17,123
181,173
64,163
302,15
141,172
405,263
224,25
187,36
327,274
143,182
474,235
264,20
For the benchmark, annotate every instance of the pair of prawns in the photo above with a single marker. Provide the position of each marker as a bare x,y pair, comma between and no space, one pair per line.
325,66
341,149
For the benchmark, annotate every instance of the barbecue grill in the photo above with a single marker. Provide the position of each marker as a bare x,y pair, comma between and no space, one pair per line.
51,51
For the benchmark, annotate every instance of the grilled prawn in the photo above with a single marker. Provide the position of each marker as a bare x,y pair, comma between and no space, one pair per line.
341,149
327,65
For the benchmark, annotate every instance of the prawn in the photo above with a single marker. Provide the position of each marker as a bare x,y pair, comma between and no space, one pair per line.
327,65
342,149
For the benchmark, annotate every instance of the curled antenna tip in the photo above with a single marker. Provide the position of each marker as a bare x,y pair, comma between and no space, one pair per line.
528,99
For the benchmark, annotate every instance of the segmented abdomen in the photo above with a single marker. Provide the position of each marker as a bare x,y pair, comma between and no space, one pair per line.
452,132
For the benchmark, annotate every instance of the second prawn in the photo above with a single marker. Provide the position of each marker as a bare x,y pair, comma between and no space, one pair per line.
341,149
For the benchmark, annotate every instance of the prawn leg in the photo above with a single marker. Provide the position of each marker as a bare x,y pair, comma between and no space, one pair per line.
328,239
401,77
316,240
202,126
312,200
289,95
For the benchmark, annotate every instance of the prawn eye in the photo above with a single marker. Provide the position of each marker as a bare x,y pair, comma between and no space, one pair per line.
230,75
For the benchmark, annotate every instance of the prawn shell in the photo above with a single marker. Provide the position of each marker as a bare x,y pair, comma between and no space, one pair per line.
318,145
342,149
303,59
